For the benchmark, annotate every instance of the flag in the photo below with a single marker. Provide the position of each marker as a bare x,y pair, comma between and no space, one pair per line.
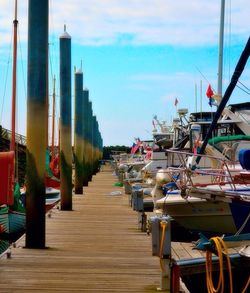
176,102
148,154
212,102
210,95
209,92
136,146
133,148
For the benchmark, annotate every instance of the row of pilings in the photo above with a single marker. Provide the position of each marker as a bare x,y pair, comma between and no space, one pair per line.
87,140
87,137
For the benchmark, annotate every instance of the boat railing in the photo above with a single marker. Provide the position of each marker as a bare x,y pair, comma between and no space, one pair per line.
186,174
20,139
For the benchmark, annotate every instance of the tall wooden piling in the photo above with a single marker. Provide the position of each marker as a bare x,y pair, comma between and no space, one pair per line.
37,113
85,137
95,146
65,122
101,147
90,136
78,132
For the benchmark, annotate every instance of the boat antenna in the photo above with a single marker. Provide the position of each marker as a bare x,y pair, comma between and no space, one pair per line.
195,94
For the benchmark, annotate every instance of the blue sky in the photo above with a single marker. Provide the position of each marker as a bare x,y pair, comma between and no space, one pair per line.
137,56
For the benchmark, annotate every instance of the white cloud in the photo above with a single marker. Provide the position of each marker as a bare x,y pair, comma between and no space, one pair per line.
137,22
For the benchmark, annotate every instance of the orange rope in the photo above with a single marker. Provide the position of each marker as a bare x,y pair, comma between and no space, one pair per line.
163,227
246,286
221,250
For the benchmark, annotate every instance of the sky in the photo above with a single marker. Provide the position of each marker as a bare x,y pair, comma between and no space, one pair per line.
137,57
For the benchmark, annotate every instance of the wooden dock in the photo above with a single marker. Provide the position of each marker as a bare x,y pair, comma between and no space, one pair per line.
94,248
97,247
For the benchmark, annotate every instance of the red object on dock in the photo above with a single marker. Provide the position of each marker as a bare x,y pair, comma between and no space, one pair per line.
175,278
7,169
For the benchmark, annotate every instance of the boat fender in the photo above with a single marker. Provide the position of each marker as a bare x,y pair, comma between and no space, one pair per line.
244,158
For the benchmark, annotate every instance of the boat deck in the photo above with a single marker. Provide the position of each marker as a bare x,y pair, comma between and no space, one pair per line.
97,247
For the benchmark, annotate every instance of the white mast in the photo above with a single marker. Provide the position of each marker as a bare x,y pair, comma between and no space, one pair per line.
221,42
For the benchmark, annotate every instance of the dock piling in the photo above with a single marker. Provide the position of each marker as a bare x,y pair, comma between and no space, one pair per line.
78,132
65,122
37,114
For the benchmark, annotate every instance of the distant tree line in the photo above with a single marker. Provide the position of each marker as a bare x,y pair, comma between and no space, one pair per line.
108,150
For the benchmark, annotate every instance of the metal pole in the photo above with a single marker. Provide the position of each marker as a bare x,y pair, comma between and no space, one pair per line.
221,41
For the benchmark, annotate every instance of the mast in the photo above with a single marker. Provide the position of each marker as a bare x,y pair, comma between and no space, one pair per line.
221,44
234,79
53,119
13,111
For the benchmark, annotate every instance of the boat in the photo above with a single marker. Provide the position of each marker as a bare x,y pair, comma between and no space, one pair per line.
163,136
234,117
212,201
221,205
13,216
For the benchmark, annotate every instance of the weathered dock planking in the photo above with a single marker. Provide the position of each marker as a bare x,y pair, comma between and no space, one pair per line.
94,248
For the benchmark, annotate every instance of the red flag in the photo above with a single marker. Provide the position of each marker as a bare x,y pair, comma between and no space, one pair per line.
136,146
176,102
209,92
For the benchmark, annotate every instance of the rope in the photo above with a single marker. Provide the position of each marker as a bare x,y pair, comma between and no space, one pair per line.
163,225
247,284
243,225
221,249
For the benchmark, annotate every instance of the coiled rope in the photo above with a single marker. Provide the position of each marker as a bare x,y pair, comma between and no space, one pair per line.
221,249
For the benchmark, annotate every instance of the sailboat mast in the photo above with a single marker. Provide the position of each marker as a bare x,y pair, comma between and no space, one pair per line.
13,115
53,120
221,45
